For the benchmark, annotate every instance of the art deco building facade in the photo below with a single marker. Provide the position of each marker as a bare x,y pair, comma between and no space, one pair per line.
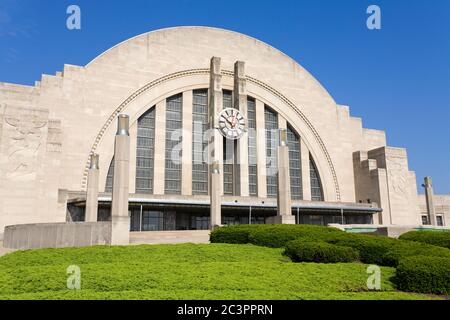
340,172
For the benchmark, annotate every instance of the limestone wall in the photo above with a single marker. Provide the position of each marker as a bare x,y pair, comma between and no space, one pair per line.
57,235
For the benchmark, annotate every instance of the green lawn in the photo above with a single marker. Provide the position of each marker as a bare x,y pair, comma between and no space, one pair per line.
187,271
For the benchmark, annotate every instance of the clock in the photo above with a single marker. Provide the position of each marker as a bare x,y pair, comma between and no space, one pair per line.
231,124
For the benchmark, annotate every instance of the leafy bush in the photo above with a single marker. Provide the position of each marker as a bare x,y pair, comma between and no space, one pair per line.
424,274
237,234
403,249
275,236
371,248
320,252
437,238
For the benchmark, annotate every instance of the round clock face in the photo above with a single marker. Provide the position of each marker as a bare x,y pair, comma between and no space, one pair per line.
231,124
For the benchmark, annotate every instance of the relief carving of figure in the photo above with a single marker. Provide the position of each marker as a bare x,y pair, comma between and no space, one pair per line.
24,143
399,176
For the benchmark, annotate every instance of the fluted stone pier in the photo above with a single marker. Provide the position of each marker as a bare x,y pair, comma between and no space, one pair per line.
216,143
284,205
216,206
92,190
429,196
120,234
241,153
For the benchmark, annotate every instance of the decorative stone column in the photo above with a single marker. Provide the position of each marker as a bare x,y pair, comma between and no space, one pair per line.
92,190
215,151
241,155
284,210
215,197
306,170
261,149
186,183
120,234
160,149
429,196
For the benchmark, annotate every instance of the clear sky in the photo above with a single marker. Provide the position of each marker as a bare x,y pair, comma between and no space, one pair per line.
397,78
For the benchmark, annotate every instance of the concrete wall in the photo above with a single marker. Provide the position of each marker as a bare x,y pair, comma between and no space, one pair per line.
57,235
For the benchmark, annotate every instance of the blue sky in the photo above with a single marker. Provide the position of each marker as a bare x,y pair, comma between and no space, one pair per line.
397,78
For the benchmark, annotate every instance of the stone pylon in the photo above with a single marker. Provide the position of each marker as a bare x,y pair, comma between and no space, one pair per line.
241,152
92,190
216,143
120,220
284,206
429,196
215,197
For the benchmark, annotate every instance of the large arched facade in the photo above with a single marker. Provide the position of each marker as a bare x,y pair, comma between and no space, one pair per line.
144,165
160,79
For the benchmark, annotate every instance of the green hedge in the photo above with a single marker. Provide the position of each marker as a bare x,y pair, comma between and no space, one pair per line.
424,274
437,238
274,236
422,267
371,248
319,252
237,234
403,249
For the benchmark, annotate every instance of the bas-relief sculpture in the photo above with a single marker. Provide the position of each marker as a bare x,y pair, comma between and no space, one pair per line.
398,176
25,132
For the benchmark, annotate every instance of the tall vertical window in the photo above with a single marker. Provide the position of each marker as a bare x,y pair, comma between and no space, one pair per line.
199,128
109,177
252,151
294,163
271,124
145,152
440,220
228,151
174,119
316,184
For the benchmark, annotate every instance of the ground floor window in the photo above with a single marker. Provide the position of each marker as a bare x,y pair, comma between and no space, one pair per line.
149,217
440,220
199,223
425,221
233,220
152,221
326,219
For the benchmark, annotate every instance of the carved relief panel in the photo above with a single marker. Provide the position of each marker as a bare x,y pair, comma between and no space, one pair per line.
26,135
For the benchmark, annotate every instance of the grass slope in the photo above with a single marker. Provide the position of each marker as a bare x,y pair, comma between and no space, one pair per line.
187,271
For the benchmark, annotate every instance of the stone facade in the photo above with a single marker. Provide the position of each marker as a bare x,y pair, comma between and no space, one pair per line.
48,131
441,205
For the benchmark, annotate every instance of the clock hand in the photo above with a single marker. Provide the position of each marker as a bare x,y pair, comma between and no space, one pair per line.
228,121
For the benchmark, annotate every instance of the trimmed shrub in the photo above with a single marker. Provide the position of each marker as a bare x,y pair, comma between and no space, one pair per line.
436,238
237,234
274,236
424,274
277,236
371,248
403,249
320,252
